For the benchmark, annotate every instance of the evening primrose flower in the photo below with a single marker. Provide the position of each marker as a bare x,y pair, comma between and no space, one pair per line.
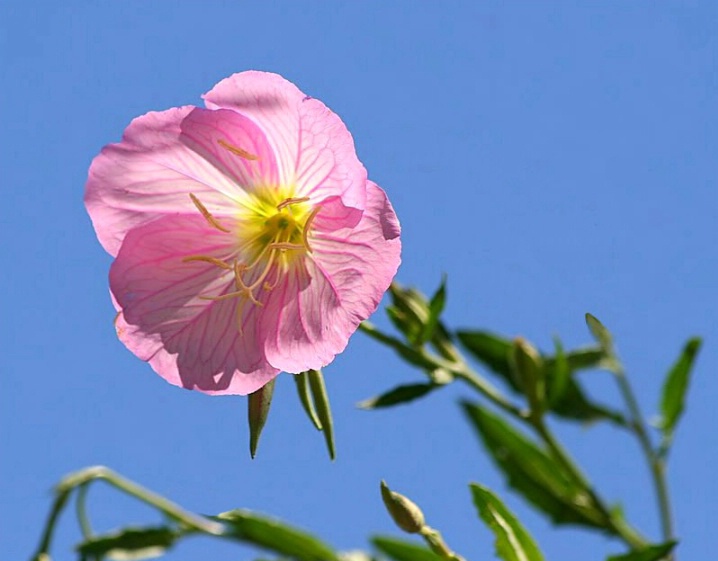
247,238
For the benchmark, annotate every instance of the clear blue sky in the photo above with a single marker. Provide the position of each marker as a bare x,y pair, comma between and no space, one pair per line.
552,157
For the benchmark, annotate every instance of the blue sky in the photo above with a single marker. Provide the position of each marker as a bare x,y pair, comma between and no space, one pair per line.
552,158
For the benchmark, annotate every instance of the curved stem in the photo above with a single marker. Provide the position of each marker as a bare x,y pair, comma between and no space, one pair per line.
656,463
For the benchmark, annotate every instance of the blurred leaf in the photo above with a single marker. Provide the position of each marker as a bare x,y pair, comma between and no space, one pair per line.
528,368
302,383
675,386
651,553
275,536
411,355
436,306
513,542
324,412
495,351
560,374
600,333
533,473
258,404
400,550
397,396
130,543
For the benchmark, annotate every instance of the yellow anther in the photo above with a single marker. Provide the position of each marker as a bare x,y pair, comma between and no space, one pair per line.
237,151
207,259
292,201
207,215
286,245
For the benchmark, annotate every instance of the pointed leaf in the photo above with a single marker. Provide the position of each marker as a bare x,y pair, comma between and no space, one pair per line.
436,306
271,534
130,543
675,386
409,354
581,359
651,553
324,412
560,375
257,411
513,542
600,333
302,383
533,473
401,550
493,351
399,395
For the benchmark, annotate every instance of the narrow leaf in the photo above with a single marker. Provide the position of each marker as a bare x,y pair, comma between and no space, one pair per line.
130,543
409,354
675,386
558,374
493,351
302,383
600,333
513,542
533,473
257,411
651,553
324,412
397,396
401,550
275,536
436,306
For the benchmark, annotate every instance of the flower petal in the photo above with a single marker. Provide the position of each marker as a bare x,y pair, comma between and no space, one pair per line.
233,144
309,317
189,341
315,151
150,173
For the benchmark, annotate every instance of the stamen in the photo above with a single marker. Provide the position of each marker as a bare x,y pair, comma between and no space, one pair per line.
207,259
207,215
286,245
229,295
295,200
307,224
237,151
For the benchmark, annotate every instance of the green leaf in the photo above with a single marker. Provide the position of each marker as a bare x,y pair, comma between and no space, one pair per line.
401,550
495,351
302,383
409,354
324,411
675,386
397,396
651,553
513,542
275,536
600,333
533,473
130,543
257,410
560,375
436,306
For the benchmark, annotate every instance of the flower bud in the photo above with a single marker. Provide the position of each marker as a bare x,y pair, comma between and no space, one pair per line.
406,514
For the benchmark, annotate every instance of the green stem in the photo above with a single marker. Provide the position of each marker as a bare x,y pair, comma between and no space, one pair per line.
464,373
81,509
656,463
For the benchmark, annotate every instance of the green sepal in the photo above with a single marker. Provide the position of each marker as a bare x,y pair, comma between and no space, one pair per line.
258,404
302,383
323,409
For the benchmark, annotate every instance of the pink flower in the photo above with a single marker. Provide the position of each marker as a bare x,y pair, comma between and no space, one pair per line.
247,238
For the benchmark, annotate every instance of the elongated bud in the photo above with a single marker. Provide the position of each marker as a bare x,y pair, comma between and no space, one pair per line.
529,369
257,411
406,514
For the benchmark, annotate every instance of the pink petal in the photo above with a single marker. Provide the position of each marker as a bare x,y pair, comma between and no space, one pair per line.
308,319
214,134
189,341
149,174
314,149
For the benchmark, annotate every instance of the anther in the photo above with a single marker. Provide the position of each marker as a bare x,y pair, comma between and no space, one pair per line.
207,259
207,215
294,200
286,245
237,151
307,225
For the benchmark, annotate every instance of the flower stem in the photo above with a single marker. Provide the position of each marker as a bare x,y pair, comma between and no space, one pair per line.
656,464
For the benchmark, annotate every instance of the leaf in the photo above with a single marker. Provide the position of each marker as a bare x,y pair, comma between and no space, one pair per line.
651,553
675,386
258,404
302,382
533,473
600,333
495,351
275,536
399,395
130,543
513,542
436,306
401,550
560,375
411,355
324,412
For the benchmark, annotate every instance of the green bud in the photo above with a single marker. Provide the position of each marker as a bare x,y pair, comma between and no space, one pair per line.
528,367
405,513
